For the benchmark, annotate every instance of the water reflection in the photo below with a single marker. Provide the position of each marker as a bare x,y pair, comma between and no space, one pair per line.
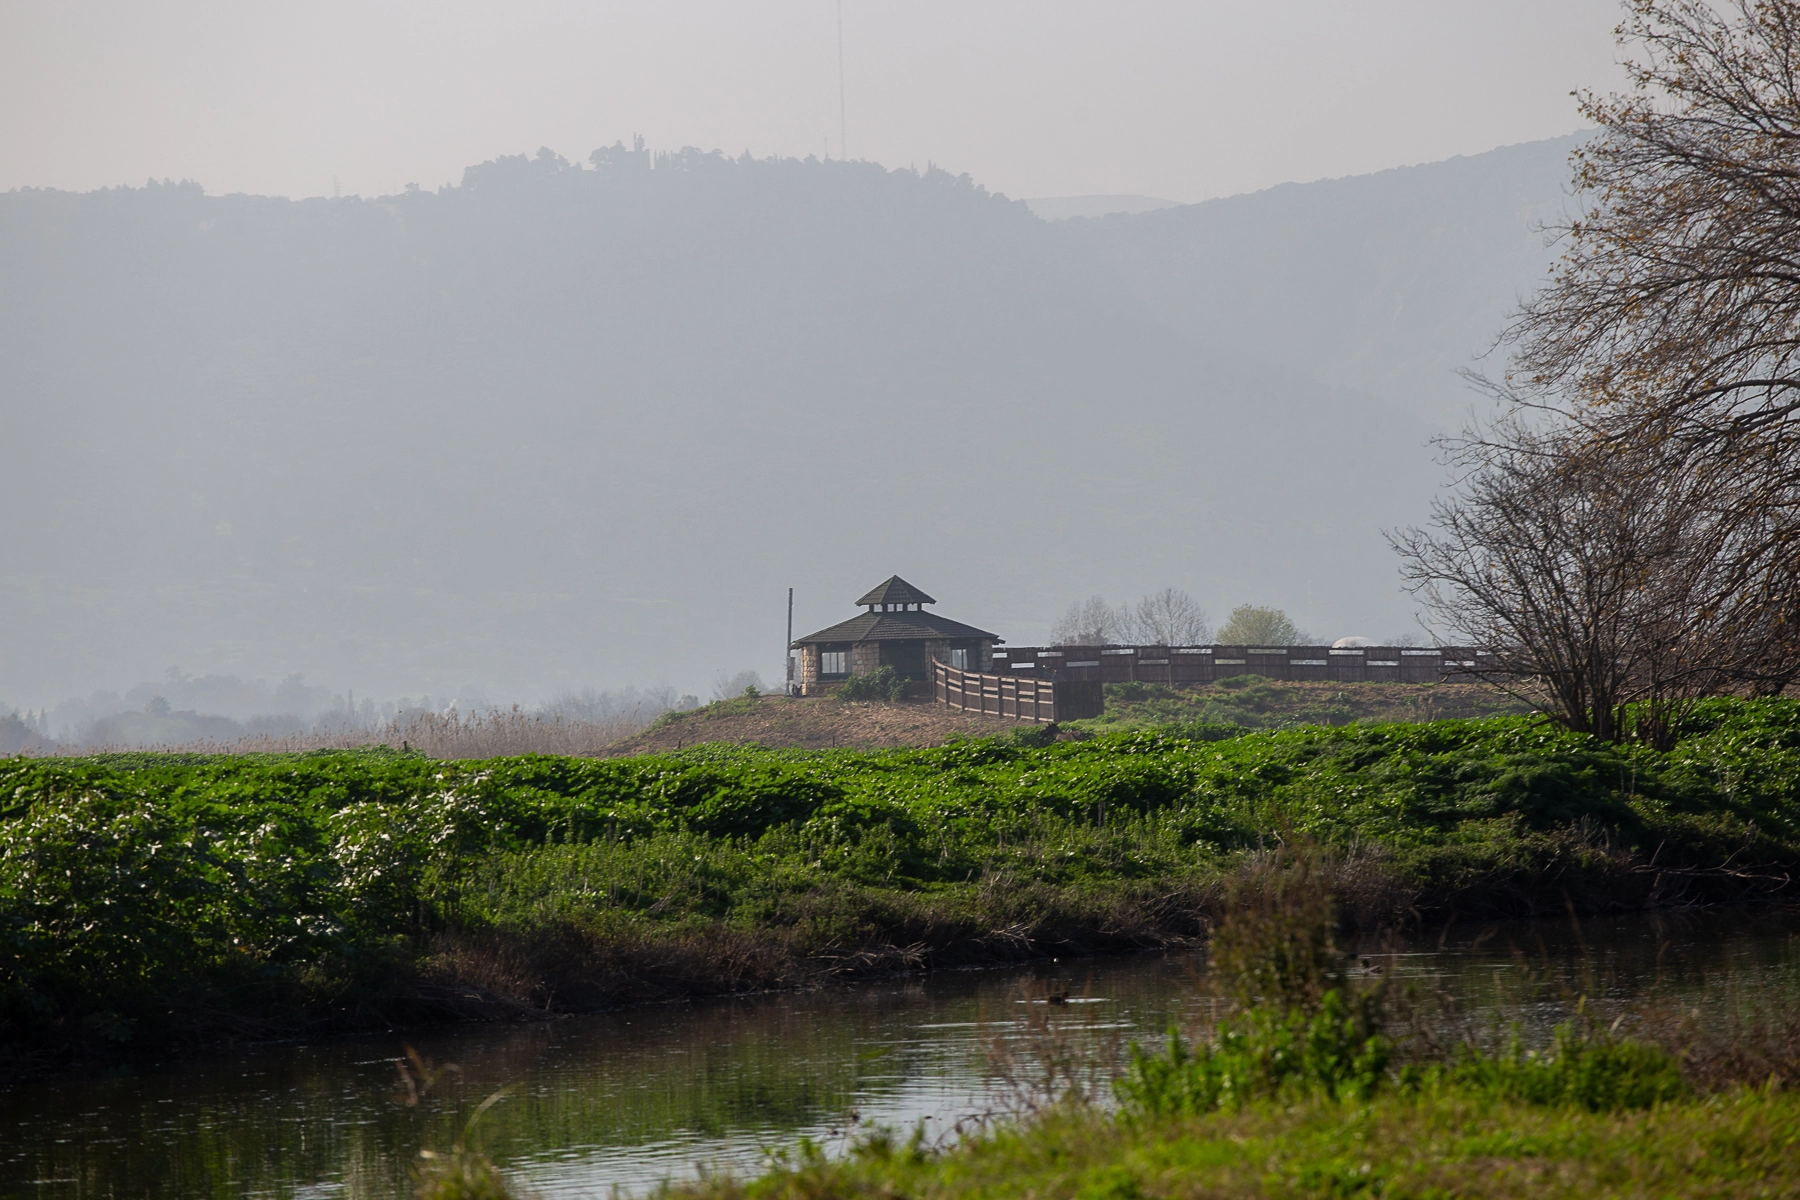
629,1098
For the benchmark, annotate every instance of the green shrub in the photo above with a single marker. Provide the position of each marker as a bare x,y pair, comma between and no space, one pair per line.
1263,1054
1033,736
883,683
104,903
1309,1033
1596,1072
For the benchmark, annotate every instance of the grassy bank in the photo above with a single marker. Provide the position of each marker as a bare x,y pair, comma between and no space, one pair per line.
1323,1081
1253,702
148,897
1431,1146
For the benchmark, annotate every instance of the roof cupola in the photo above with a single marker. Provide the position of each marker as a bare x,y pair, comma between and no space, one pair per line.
894,594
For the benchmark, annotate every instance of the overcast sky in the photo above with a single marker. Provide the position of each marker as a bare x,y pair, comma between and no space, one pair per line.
1049,98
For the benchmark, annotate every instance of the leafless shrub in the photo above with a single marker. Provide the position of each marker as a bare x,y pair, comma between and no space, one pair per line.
1276,941
730,687
1753,1047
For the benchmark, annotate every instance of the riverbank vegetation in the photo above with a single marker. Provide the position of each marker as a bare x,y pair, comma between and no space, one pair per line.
145,898
1440,1140
1324,1078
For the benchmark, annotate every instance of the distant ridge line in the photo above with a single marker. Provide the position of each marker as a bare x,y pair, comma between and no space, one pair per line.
1062,208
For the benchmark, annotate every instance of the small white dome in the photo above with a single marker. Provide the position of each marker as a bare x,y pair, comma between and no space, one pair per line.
1351,643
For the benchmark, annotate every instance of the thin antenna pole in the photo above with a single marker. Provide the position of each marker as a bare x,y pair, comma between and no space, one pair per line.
787,653
843,150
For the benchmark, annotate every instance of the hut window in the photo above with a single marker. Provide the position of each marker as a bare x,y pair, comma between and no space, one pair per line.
959,659
834,662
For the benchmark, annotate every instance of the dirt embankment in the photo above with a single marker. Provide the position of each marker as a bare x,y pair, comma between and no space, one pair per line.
813,723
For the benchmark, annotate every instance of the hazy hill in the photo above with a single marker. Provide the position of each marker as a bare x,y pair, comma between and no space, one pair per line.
1062,208
1389,282
564,425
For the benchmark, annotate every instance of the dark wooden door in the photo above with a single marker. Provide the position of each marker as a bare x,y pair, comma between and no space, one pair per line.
908,658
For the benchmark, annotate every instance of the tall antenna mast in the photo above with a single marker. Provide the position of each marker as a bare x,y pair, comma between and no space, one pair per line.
787,654
843,153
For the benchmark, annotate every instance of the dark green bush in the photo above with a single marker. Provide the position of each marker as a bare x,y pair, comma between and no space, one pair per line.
1269,1054
1592,1071
883,683
1263,1054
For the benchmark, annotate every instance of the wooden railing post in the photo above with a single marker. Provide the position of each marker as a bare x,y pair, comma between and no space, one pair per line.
1015,696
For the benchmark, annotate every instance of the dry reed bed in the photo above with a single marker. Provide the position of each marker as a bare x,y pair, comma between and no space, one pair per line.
498,733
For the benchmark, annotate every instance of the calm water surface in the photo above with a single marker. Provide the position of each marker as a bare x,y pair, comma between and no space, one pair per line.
625,1100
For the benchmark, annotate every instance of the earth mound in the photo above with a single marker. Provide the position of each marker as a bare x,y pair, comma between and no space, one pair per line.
811,723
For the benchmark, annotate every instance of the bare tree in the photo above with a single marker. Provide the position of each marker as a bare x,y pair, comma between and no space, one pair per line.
1641,546
1675,310
1171,617
1600,573
1093,622
743,683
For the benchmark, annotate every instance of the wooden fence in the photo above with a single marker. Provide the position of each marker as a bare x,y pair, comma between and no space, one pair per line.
1017,697
1179,666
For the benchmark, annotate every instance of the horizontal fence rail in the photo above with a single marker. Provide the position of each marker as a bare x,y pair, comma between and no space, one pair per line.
1017,697
1178,666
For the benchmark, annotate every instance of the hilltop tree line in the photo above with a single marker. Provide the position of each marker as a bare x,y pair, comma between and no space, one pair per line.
1627,532
1171,617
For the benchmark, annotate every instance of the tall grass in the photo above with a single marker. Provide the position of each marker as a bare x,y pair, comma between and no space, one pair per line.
495,733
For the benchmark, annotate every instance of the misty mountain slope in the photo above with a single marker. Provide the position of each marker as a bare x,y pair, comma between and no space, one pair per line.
1390,283
560,426
1061,208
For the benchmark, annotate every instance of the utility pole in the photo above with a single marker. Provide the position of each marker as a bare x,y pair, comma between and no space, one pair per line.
787,651
843,151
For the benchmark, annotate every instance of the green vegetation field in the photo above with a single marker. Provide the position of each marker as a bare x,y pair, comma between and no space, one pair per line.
147,897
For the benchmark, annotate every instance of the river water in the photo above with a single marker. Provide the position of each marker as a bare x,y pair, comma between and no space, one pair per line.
590,1105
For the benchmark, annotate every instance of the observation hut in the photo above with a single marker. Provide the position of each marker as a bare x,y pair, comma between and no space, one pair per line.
894,631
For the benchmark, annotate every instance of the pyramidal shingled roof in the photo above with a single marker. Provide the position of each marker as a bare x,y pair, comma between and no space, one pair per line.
897,627
895,590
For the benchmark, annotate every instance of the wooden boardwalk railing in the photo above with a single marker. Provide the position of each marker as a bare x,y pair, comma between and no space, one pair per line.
1015,697
1180,666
